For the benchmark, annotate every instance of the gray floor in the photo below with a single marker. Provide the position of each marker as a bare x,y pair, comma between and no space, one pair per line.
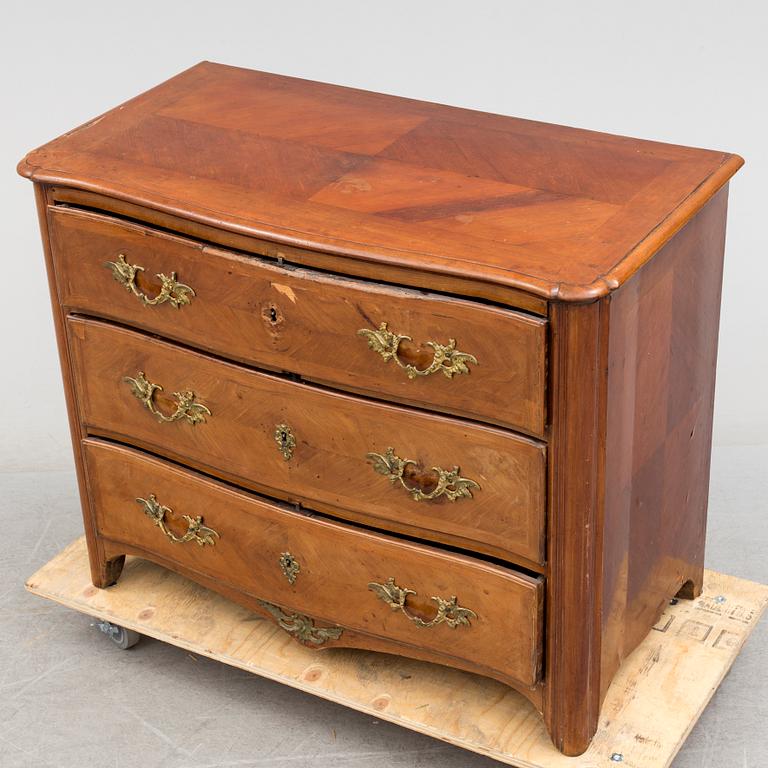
70,699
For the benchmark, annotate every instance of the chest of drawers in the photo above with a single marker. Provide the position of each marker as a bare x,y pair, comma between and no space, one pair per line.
395,375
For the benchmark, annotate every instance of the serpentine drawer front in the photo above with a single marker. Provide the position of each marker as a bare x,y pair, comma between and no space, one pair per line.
340,574
457,356
467,362
329,450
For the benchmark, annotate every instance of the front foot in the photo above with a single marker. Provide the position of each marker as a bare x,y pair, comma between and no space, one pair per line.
692,588
108,571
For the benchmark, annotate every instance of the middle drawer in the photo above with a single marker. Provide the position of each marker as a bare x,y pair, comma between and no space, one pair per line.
408,471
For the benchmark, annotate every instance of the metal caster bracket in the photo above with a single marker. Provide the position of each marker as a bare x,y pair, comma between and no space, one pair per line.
123,638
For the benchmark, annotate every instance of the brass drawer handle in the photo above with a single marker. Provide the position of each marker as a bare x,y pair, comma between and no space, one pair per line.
186,407
171,290
196,531
448,611
449,484
446,359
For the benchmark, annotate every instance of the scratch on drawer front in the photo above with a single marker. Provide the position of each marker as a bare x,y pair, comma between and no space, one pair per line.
285,290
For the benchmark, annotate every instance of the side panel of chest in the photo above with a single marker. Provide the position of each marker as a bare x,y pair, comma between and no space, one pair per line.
661,383
633,384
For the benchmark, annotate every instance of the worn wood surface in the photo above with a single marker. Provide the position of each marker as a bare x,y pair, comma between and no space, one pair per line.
632,383
456,284
653,703
333,433
662,356
100,566
336,562
307,322
612,246
556,211
574,532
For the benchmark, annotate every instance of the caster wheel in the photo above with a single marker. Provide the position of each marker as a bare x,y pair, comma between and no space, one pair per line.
123,638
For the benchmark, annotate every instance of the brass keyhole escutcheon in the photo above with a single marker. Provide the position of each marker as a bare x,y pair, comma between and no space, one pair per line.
290,567
286,442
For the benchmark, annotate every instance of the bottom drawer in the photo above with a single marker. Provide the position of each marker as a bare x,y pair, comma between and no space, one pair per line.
353,579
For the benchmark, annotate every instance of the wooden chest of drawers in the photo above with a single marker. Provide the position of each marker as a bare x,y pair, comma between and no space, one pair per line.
397,376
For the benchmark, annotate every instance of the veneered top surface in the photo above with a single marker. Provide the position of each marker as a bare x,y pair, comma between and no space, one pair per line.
560,212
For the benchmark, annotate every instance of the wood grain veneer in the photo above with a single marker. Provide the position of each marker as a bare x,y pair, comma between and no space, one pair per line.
505,516
554,211
306,322
582,270
335,560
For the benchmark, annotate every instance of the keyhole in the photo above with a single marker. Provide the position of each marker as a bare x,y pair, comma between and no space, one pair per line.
284,440
272,315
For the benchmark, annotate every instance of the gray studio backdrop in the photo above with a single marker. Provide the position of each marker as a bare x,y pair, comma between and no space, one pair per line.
683,72
686,72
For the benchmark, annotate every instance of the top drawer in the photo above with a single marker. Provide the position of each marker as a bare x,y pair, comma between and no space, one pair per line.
392,342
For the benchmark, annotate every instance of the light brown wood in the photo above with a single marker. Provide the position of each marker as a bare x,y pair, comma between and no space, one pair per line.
662,356
290,254
632,379
333,432
103,571
614,244
305,322
653,703
558,212
572,697
337,563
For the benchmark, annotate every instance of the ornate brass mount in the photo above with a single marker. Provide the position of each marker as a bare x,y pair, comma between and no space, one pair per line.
301,626
286,442
448,611
446,360
196,531
449,483
175,293
290,567
186,407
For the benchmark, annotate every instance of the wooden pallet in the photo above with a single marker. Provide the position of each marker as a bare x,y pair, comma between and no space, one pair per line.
655,700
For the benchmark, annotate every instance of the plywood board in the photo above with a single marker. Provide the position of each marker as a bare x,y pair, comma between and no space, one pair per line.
653,703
